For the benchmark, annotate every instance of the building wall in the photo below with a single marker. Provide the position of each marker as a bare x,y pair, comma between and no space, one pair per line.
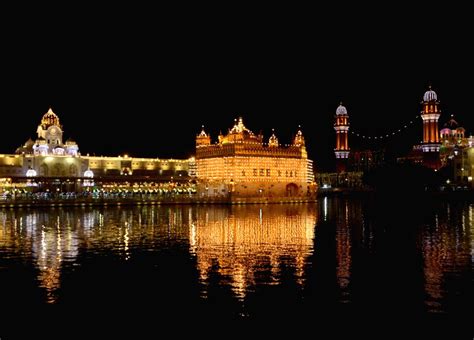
11,166
69,166
102,166
252,176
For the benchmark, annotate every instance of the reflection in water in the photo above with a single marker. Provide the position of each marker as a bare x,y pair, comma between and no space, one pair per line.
447,245
53,238
49,238
242,241
343,249
194,249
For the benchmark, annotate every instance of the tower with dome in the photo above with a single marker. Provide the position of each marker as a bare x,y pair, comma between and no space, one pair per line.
431,140
50,139
341,125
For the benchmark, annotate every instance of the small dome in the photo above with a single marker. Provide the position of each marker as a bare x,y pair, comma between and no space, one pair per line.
299,139
88,173
203,133
430,95
49,119
273,140
31,173
341,110
452,123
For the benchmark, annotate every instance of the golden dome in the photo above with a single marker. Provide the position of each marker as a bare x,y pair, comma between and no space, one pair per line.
49,119
273,140
239,133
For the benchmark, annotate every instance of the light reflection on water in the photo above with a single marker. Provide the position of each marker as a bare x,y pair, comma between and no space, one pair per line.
247,248
245,240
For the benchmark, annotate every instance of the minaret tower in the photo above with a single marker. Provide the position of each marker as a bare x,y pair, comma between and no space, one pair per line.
341,126
430,115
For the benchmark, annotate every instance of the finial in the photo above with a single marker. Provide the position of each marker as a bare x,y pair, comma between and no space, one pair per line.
452,116
299,126
202,127
340,103
273,130
429,86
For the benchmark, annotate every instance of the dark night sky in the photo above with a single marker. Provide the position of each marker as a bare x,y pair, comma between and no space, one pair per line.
144,82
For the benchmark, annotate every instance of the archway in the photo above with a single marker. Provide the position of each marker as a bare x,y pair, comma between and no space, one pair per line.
292,190
43,170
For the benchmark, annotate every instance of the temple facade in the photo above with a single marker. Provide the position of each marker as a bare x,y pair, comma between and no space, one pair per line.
48,159
241,167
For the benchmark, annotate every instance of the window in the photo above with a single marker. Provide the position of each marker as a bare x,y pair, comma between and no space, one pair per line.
243,173
255,172
268,172
286,173
262,172
279,173
291,173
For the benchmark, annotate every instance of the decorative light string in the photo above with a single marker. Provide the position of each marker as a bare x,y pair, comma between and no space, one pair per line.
387,135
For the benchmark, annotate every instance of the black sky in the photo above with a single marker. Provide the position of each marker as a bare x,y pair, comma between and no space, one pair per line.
143,82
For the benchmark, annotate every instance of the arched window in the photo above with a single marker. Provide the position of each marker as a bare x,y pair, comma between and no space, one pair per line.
44,170
73,170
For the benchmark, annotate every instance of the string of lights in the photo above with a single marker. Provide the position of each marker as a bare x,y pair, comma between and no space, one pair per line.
386,135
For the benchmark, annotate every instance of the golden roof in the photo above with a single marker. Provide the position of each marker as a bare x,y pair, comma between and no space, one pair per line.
49,119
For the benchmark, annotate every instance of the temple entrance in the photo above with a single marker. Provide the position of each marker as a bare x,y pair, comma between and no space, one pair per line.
292,190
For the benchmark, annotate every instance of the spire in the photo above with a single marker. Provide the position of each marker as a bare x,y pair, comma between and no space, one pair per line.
203,133
299,139
273,140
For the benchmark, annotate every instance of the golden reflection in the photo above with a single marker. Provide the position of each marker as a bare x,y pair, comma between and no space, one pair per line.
241,242
56,242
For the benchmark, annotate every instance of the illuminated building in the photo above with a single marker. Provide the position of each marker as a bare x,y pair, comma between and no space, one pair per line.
342,149
452,134
453,139
48,159
457,151
241,167
431,141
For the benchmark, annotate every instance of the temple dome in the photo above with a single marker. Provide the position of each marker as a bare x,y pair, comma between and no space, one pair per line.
273,140
341,110
50,119
452,123
430,95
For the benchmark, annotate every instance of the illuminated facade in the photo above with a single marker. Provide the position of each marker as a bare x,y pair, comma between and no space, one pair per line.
431,141
241,167
341,125
48,158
